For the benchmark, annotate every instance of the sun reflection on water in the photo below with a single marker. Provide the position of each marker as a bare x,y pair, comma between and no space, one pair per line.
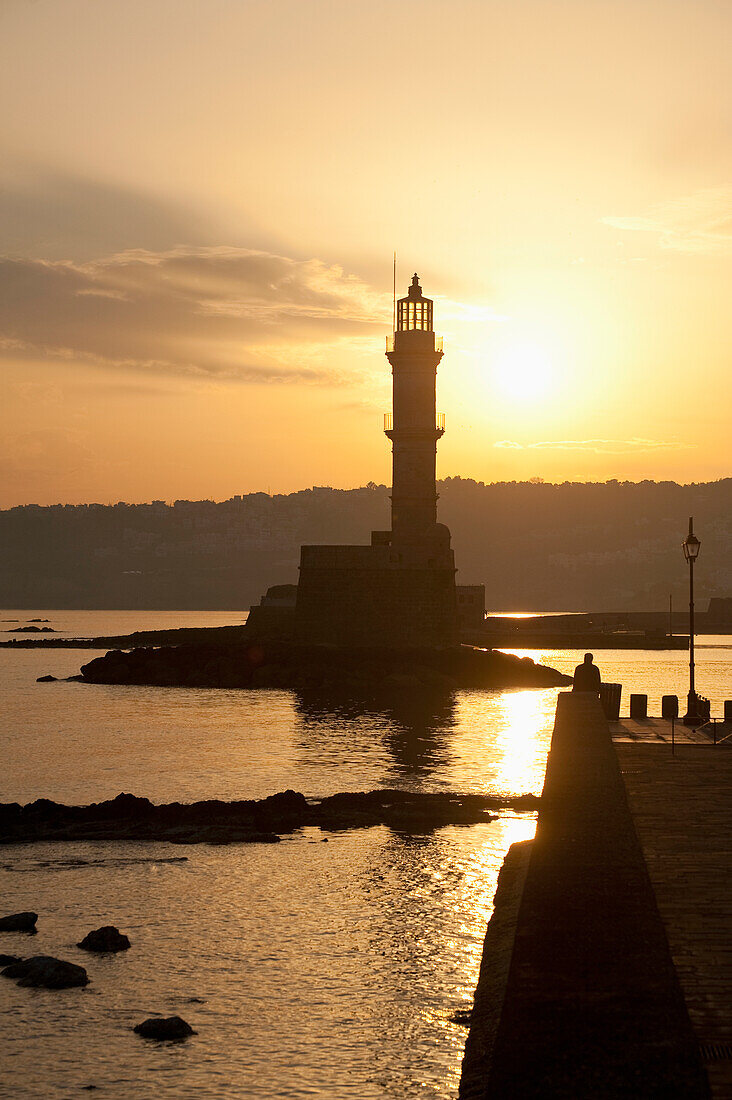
503,739
520,750
466,900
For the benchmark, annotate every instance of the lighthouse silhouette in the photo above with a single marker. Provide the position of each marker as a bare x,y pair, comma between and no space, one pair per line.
414,353
399,591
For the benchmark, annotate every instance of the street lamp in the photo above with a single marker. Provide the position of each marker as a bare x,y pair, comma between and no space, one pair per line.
690,546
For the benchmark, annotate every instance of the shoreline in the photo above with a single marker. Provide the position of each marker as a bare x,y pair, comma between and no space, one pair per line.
179,635
259,821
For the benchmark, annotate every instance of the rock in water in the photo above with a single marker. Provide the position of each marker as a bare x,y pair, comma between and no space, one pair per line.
19,922
170,1027
8,960
46,972
46,679
107,938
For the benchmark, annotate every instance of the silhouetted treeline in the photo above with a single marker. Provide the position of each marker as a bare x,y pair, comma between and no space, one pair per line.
535,546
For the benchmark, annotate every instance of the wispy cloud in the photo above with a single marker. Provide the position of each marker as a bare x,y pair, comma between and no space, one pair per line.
207,312
701,222
594,446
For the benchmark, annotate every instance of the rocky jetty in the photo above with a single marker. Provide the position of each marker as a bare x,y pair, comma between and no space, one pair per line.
19,922
43,971
169,1027
105,939
32,630
318,668
185,635
127,817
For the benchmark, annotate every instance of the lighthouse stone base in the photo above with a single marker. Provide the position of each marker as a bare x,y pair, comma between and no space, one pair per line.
388,594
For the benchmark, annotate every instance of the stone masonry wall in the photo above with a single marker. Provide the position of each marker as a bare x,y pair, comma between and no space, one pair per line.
353,596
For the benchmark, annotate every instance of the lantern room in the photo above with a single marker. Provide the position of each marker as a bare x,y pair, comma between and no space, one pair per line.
414,313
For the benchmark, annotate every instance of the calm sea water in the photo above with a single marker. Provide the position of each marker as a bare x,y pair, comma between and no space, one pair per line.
308,969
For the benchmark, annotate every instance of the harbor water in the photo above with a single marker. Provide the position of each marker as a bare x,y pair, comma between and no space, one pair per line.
308,969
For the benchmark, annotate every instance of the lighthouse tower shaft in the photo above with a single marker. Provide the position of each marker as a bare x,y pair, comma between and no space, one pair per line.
414,353
398,592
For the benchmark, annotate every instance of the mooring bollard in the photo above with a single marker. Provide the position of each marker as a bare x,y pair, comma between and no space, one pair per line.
669,706
728,710
610,700
639,706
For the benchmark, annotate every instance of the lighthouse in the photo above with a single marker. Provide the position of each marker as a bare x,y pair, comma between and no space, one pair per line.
399,591
414,353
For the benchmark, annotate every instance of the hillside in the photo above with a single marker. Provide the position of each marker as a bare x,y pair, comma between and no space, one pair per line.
535,546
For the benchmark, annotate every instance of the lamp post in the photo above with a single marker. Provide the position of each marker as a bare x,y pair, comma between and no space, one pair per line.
690,546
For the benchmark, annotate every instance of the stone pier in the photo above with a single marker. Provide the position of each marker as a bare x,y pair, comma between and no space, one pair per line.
681,807
600,982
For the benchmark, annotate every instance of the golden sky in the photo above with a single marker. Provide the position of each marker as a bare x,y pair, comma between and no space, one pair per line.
199,202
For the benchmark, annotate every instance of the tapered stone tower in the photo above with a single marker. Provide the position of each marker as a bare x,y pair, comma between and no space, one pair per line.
414,353
399,591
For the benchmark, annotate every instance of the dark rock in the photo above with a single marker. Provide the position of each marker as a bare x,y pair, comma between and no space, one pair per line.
46,679
19,922
107,938
124,806
262,821
46,972
463,1016
170,1027
8,960
237,664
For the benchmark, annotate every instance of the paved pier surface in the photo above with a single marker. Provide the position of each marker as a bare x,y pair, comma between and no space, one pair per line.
660,729
682,811
591,1008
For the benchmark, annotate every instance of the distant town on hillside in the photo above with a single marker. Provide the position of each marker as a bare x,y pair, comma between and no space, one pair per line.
535,546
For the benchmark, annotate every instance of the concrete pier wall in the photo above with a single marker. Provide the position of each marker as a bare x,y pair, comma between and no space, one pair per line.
591,1006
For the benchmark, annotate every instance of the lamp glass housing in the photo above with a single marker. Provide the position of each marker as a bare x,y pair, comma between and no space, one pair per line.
691,547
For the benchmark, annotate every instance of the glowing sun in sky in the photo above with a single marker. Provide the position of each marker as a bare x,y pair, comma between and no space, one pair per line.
523,369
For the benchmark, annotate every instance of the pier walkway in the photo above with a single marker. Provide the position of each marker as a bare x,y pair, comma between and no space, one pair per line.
682,811
611,974
661,729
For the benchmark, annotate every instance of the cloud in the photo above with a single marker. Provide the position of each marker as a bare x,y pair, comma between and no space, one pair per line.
61,215
701,222
594,446
211,312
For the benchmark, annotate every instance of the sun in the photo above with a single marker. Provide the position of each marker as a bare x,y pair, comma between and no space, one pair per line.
523,369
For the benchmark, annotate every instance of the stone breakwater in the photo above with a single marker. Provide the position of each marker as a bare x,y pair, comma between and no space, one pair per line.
589,1005
186,635
319,668
128,817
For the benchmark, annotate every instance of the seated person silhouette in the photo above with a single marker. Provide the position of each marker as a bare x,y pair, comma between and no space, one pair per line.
587,676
